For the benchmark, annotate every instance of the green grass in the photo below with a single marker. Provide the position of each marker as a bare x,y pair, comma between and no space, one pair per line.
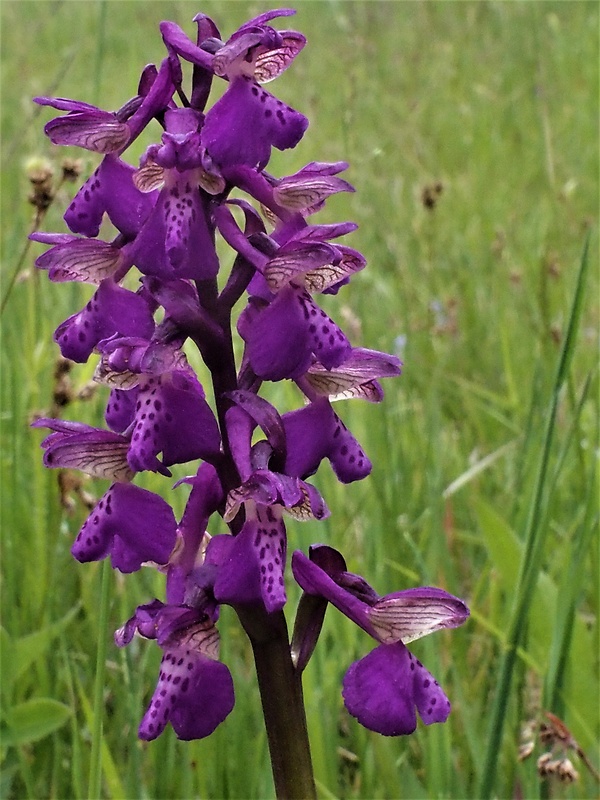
484,451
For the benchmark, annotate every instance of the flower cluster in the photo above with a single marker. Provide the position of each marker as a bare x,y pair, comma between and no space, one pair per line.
156,294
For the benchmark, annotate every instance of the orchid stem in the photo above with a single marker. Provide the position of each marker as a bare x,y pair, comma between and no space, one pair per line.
280,687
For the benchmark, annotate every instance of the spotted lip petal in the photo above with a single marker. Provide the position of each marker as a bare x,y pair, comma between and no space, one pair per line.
110,190
266,121
386,688
131,524
315,432
193,693
253,572
111,310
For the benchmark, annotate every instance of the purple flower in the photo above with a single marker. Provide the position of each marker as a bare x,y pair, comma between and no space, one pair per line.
253,571
132,525
247,121
316,432
74,445
194,690
386,688
111,310
170,417
177,238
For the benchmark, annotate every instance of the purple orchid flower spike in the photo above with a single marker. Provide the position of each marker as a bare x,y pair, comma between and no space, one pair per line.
386,688
162,320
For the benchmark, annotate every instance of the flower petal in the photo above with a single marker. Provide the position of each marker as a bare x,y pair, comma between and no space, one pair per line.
271,64
265,121
355,377
86,260
378,691
101,454
315,432
110,190
172,417
112,309
384,690
98,131
132,525
194,693
253,573
413,613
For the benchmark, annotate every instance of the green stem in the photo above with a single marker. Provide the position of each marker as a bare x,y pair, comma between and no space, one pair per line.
535,537
283,704
95,777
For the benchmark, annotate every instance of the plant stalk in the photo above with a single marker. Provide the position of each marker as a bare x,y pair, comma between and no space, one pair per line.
280,687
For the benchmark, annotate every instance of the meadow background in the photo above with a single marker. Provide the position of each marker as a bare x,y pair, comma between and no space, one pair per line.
471,130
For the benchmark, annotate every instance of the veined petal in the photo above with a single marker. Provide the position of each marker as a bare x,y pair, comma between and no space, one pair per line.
356,377
312,505
413,613
271,64
149,177
323,278
306,192
98,131
86,260
299,260
101,454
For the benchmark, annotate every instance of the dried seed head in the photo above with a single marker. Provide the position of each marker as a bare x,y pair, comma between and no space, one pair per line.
567,772
525,750
71,168
546,765
40,175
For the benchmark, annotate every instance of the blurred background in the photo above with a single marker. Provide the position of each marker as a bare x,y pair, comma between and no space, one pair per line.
471,130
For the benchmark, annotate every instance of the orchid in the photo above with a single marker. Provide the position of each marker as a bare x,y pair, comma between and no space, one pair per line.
384,688
158,293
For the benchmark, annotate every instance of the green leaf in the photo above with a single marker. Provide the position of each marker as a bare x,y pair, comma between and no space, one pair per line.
32,720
